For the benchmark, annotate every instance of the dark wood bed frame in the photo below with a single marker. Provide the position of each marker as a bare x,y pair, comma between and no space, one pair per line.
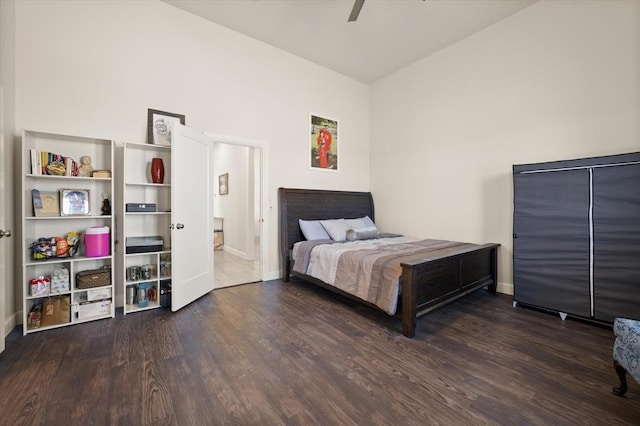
426,284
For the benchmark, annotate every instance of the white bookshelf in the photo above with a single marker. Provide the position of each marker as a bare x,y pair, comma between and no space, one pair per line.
138,188
79,301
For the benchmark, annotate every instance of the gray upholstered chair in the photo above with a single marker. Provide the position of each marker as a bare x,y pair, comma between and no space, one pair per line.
626,352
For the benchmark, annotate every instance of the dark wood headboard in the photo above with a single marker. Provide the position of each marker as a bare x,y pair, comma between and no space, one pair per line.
313,204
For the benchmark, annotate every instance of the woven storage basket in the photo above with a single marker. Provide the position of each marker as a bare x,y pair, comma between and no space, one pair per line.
93,278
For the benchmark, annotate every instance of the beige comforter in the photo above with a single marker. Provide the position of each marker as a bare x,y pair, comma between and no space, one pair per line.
368,269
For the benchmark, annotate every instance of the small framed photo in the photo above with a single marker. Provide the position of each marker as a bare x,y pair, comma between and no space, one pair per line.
45,203
223,184
74,202
159,125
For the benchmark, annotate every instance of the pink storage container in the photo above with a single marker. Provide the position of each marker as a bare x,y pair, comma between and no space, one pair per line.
96,241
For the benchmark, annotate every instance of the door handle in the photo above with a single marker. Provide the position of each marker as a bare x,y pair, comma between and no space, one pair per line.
171,226
179,226
6,233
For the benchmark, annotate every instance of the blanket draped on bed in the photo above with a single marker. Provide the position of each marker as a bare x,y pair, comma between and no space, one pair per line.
372,272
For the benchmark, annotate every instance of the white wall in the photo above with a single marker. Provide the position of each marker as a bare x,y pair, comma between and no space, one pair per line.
93,68
558,80
236,207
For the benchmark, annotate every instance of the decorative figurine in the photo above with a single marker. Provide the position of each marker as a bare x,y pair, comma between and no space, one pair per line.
85,169
106,206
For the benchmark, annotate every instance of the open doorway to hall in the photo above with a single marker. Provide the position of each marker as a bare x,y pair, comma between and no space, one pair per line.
237,214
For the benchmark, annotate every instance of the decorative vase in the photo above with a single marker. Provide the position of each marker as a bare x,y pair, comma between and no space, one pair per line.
157,170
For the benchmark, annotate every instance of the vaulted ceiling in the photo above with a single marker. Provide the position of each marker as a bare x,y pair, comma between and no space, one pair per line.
387,36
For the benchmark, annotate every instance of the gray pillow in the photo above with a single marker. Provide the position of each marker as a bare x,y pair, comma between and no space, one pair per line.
365,233
313,230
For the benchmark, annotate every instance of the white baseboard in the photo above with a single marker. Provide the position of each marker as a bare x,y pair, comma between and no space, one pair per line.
12,322
272,275
241,254
505,288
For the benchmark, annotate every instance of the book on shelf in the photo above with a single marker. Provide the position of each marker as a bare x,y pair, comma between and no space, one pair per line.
71,167
42,164
44,160
101,174
35,162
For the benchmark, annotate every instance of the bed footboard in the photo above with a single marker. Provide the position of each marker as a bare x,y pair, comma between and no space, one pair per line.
434,281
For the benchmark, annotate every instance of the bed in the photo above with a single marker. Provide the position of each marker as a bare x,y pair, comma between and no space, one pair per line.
426,283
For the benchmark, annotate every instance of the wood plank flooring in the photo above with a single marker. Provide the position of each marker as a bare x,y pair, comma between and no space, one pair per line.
233,270
278,353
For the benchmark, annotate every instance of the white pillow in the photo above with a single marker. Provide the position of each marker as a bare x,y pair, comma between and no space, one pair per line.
336,228
367,221
356,223
313,230
361,222
365,233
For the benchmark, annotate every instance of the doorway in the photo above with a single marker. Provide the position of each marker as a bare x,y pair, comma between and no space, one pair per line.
238,210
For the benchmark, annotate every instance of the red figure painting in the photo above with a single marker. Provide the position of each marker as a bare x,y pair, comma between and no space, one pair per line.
324,146
323,143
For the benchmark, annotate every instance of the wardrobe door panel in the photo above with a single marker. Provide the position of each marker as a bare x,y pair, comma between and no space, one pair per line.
551,240
616,227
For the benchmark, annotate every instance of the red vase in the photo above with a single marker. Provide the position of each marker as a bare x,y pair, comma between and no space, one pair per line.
157,170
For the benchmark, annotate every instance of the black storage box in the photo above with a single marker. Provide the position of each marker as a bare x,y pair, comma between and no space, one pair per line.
143,244
141,207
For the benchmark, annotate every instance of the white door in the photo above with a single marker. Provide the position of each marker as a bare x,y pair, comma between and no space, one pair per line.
4,233
192,216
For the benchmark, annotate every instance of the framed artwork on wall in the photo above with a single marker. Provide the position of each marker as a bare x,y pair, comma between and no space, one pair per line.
323,143
223,184
159,126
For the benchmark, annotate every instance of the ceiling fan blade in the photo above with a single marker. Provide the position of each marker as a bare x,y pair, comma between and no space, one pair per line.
356,10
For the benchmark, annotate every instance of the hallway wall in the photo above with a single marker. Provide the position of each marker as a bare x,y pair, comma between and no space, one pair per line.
237,207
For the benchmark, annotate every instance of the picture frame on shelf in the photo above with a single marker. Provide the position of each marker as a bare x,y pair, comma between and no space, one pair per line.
159,124
74,202
223,184
45,203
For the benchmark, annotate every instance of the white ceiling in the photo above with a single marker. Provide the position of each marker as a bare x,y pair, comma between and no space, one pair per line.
388,35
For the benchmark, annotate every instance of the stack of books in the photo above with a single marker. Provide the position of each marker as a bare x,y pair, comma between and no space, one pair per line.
48,163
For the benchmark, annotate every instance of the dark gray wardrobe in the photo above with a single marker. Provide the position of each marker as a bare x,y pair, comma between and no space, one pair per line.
576,236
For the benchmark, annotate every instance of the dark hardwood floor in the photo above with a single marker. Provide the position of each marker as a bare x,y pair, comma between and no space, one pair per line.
288,353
